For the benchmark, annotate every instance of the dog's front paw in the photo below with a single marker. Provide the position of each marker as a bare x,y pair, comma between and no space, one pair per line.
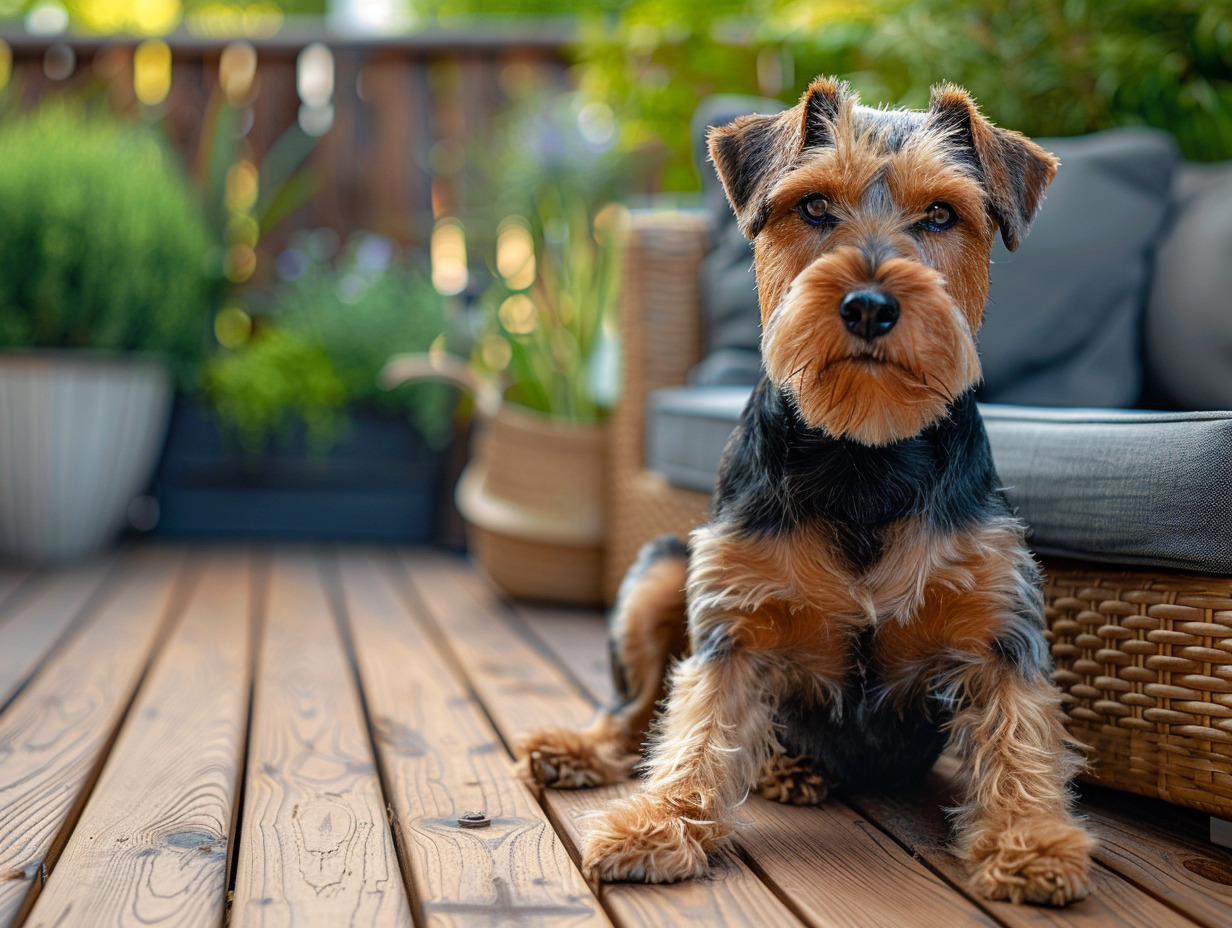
564,759
646,841
1038,860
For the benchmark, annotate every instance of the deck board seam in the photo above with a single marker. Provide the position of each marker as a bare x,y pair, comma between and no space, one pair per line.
180,589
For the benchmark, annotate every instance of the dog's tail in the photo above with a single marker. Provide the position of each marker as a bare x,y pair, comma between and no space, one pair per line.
646,633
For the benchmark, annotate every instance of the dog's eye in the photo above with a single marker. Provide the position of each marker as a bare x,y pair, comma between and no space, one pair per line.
939,217
815,209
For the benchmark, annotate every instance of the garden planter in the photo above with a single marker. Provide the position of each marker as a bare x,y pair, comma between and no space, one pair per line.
532,500
381,482
79,435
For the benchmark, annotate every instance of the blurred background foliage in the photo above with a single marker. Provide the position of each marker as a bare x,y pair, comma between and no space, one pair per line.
1045,67
101,245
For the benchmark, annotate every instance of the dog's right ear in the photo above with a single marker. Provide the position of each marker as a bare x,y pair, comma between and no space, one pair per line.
750,152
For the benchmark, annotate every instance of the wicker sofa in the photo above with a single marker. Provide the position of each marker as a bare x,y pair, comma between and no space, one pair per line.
1143,647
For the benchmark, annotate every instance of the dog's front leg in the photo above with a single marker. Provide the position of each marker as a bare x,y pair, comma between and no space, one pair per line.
715,733
1016,824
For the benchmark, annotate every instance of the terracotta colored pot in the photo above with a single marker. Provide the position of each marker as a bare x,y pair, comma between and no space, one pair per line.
532,497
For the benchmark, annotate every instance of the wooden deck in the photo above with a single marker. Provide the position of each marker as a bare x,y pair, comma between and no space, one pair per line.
288,736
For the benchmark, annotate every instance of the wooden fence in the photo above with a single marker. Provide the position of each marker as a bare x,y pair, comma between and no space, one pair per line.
407,112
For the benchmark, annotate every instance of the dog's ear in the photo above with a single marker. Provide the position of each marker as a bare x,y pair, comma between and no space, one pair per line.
751,152
746,153
1015,170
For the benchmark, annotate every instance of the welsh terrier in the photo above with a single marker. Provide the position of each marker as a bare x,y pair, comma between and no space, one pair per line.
862,595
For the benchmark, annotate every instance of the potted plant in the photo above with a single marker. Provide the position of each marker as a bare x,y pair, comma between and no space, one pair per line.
295,438
103,302
543,362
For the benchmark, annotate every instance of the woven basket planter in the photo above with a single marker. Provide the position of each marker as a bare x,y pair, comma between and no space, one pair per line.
80,434
532,498
1145,663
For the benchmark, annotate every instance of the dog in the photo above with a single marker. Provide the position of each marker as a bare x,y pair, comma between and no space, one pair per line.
862,595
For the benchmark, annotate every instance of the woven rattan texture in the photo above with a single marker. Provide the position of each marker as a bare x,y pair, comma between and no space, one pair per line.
661,333
1145,662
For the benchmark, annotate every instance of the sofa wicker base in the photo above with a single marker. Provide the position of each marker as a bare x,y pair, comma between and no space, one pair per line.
1145,663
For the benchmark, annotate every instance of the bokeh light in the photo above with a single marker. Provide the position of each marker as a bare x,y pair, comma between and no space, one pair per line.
237,69
241,186
232,326
494,352
518,314
152,71
448,252
515,253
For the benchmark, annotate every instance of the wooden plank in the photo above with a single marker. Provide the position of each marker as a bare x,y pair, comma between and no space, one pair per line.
151,847
577,638
43,613
55,734
833,861
315,845
829,862
521,688
440,757
1164,850
914,817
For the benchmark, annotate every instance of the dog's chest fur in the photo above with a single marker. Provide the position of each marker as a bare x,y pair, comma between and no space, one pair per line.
844,527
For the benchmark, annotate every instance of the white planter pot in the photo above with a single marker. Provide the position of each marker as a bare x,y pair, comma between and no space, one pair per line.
80,434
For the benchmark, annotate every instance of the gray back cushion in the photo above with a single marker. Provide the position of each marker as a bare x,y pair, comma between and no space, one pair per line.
1064,317
1189,318
1063,322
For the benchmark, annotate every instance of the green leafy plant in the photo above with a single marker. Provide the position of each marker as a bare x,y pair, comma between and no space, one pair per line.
545,319
1045,67
101,244
318,348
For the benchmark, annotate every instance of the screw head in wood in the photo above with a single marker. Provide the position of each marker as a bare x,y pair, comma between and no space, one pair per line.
473,820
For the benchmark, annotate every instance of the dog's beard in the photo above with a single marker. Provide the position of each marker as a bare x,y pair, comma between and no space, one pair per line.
873,392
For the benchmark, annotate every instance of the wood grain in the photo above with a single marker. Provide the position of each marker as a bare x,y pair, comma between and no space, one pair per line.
440,757
522,688
151,846
915,818
38,618
53,736
577,638
315,844
1164,850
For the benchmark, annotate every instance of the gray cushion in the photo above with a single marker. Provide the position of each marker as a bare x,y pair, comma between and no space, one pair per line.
1189,317
1152,489
1064,317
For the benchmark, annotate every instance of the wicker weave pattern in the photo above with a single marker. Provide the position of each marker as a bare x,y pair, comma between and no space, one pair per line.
1144,658
661,330
1145,661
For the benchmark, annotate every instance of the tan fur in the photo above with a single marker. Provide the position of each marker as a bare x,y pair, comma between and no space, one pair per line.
790,780
1015,823
649,628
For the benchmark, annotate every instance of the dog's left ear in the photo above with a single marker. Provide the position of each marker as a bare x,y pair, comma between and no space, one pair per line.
1015,170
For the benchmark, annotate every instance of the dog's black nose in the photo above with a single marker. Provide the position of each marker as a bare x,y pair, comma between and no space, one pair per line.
868,313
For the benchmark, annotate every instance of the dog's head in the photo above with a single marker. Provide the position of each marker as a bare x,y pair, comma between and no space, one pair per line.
872,231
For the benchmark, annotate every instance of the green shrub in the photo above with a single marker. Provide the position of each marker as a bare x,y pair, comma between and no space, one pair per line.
321,342
101,244
277,381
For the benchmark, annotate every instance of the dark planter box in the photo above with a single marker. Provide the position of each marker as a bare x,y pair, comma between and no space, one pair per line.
380,483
